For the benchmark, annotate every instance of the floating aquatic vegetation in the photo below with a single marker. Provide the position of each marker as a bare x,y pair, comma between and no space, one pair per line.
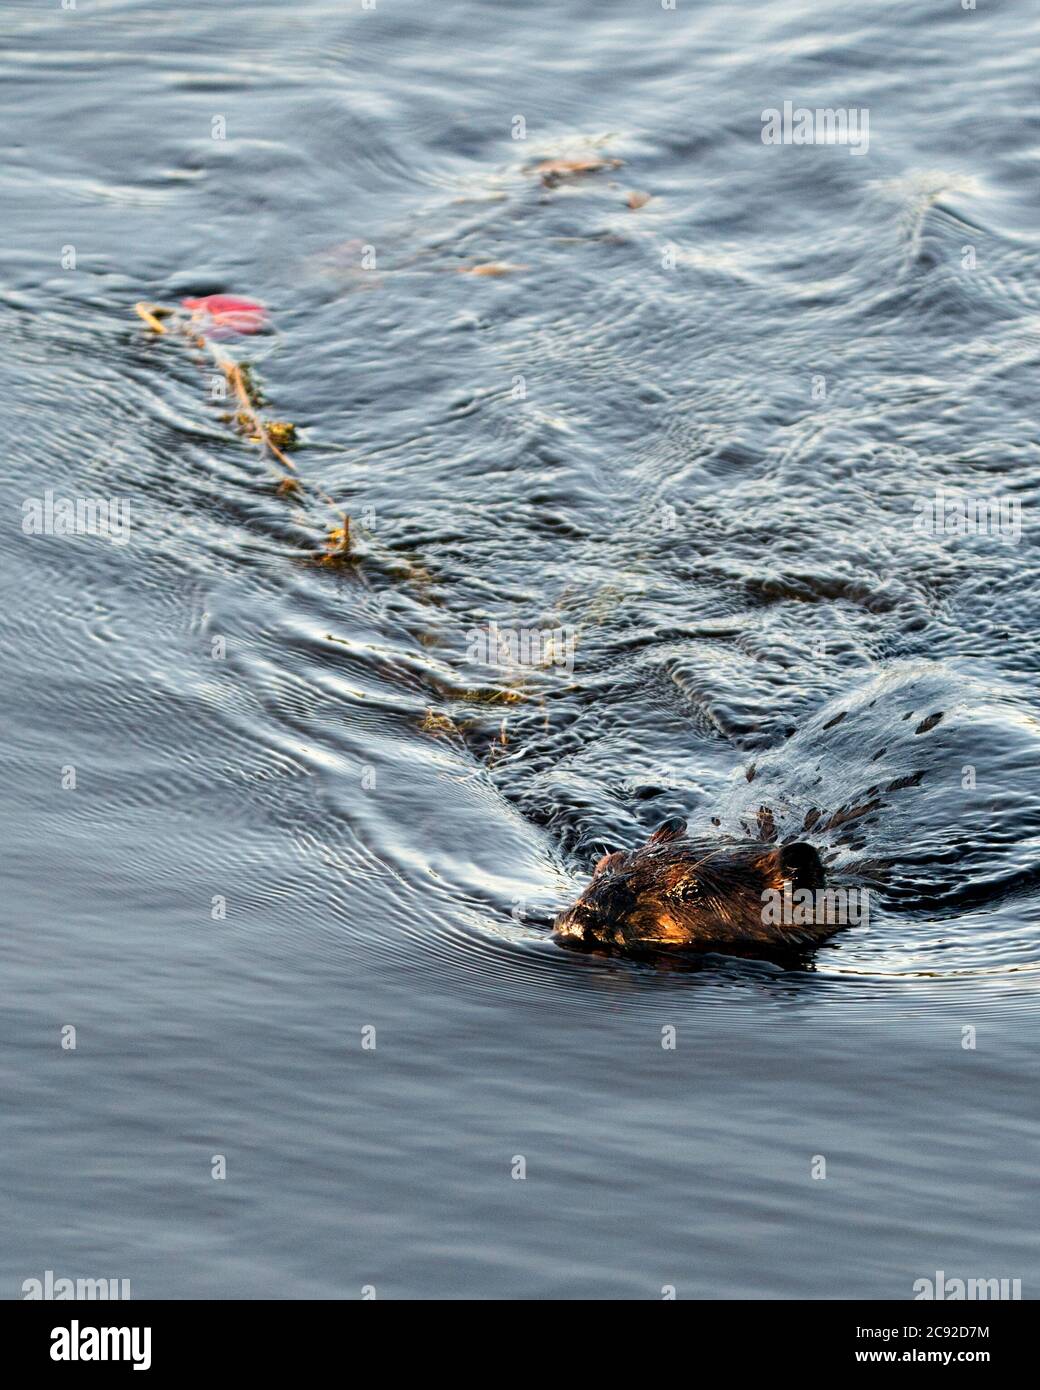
275,436
249,382
492,696
436,723
280,432
201,322
229,314
555,171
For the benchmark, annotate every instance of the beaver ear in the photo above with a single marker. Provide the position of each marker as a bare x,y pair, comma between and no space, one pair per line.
611,860
801,864
668,830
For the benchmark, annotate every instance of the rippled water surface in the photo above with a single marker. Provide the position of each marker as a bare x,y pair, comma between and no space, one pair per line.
689,433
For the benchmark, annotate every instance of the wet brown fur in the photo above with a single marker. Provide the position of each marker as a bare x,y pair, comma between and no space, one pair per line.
677,891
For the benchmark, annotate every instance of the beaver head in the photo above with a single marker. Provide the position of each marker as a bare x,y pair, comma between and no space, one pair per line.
680,891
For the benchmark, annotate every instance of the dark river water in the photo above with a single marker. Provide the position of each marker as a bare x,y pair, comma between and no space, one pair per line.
311,812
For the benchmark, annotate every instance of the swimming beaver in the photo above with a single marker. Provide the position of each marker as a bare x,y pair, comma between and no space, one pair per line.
883,780
680,891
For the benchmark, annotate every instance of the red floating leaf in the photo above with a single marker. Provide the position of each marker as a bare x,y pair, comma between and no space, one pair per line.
228,311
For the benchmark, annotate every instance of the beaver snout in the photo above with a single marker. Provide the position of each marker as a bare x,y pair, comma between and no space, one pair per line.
585,922
571,925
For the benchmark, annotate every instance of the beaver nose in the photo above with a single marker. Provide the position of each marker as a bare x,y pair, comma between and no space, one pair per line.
575,921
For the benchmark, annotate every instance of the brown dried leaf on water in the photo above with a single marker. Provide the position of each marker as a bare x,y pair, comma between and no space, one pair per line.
288,487
491,268
337,544
281,433
636,199
554,171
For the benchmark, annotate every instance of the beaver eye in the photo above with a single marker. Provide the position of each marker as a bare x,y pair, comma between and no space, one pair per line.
689,892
